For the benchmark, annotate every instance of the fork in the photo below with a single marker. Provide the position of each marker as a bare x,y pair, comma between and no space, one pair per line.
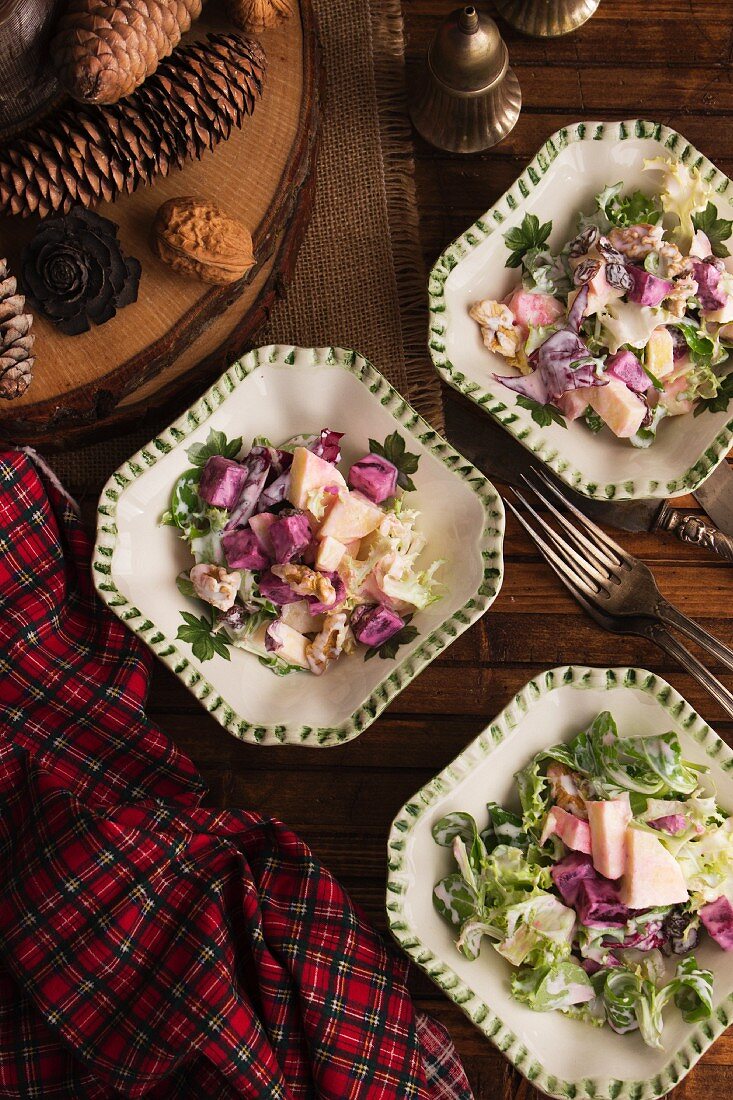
615,588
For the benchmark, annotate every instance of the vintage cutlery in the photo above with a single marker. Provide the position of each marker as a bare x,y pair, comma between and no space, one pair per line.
616,589
499,455
716,496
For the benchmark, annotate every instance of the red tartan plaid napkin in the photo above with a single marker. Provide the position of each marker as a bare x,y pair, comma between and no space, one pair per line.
150,946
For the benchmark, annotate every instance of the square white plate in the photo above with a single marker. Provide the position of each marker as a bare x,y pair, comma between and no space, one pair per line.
563,1057
280,392
571,167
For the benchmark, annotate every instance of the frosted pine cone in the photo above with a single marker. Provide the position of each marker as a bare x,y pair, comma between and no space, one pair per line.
16,339
104,50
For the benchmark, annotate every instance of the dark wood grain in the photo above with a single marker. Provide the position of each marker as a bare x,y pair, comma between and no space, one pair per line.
669,61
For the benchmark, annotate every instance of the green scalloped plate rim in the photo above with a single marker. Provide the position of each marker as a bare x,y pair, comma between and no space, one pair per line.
515,419
405,669
480,1013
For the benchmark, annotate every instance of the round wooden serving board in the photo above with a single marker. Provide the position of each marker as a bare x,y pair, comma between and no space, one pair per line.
180,333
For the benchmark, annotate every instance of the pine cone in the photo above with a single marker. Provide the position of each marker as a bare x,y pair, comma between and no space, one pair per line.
74,271
104,49
16,339
257,15
85,154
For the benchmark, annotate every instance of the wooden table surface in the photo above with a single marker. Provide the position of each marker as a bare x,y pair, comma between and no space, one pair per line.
669,61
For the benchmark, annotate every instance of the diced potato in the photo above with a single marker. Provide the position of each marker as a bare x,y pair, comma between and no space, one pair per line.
352,517
618,407
653,876
574,403
298,616
608,821
329,554
660,352
292,644
310,472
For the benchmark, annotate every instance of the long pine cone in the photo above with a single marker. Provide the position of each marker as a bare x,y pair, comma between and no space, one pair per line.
86,154
105,49
16,338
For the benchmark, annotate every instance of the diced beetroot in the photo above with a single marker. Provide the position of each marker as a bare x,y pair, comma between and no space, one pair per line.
373,626
242,550
709,294
222,481
670,823
326,446
276,590
717,916
318,608
626,367
648,289
569,872
375,477
599,906
290,534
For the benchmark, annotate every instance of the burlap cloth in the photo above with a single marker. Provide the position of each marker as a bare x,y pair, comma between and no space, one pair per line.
360,281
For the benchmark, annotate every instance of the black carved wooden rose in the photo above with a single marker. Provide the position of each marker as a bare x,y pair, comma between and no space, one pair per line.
74,271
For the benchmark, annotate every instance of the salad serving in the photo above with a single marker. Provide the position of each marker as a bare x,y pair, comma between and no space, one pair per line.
631,321
617,864
297,562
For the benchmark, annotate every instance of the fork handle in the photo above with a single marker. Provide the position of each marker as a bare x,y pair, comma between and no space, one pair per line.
689,527
672,616
690,663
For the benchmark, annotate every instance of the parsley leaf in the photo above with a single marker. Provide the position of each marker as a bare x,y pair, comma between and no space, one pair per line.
184,584
716,229
701,346
593,421
720,402
544,415
389,648
520,239
634,209
393,449
199,634
216,444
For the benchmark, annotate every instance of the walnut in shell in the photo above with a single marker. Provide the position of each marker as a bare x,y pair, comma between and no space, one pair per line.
196,238
257,15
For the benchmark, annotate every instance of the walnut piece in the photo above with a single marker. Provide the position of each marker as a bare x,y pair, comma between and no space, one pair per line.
636,241
682,289
197,238
497,327
306,582
673,263
213,584
333,639
565,789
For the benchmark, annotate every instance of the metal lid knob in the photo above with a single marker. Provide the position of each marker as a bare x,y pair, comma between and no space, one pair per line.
468,55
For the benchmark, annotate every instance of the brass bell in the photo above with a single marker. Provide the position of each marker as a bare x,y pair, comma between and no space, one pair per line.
468,98
546,18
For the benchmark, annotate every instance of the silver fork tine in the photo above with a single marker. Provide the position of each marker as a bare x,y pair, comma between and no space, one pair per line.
566,551
593,553
556,562
588,525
